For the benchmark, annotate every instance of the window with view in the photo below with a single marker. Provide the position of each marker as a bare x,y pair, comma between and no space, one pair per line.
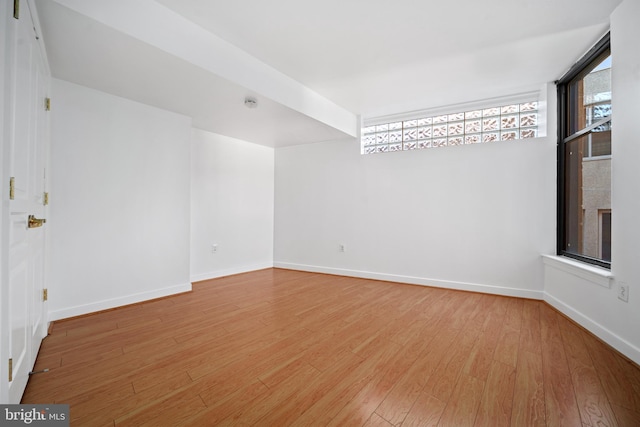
584,158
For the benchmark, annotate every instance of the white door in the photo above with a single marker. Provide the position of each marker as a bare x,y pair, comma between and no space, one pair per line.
28,136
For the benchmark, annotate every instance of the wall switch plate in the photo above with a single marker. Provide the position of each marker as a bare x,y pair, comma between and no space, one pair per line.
214,248
342,247
623,292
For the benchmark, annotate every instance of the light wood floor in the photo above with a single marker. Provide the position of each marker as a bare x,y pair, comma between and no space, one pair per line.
280,348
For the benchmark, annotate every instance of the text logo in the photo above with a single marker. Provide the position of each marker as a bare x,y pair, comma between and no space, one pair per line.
34,415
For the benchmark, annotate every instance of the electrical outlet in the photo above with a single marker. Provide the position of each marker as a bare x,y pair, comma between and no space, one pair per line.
214,248
342,247
623,292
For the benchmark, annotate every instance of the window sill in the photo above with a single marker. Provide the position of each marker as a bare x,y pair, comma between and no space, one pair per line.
593,274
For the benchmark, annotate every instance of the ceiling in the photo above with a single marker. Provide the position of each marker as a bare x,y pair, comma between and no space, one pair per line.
313,66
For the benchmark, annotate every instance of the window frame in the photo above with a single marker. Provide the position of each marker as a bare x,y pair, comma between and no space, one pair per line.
562,85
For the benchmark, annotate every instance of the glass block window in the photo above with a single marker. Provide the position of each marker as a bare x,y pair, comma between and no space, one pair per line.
501,123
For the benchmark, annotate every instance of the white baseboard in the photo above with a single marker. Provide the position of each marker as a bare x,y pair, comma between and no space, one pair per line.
118,302
461,286
623,346
230,272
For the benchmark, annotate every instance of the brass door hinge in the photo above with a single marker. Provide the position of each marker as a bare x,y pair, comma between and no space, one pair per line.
47,104
45,294
16,9
45,198
10,370
12,188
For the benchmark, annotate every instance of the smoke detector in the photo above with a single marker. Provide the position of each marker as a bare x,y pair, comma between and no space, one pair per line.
250,102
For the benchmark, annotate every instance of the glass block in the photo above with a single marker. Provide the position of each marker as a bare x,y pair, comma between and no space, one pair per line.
509,122
490,124
509,109
472,126
424,132
472,139
528,133
410,134
456,140
382,138
529,106
370,150
368,130
369,139
456,128
425,122
395,147
382,148
395,136
508,136
440,119
395,126
455,117
601,111
490,137
409,145
382,128
473,114
439,142
527,120
425,143
490,112
410,124
439,130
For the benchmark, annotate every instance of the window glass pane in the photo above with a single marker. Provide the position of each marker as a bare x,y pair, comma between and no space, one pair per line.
587,190
605,235
599,143
589,95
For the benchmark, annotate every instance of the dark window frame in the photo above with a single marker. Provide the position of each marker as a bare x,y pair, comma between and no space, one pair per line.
563,111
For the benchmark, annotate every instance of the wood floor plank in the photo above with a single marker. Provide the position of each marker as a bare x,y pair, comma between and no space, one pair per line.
513,315
176,407
528,398
507,347
530,338
594,407
559,392
497,398
385,375
226,406
626,417
616,383
282,347
462,408
482,353
401,398
444,379
377,421
425,412
262,404
376,365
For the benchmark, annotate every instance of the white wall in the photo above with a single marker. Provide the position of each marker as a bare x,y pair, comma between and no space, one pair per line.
120,195
470,217
231,205
597,307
